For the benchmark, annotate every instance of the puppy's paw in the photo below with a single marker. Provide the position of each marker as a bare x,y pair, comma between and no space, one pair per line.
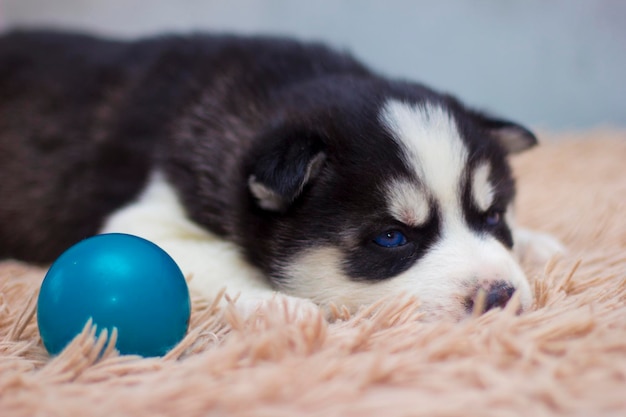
291,308
536,247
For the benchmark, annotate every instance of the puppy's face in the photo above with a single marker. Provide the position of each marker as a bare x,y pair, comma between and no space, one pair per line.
412,197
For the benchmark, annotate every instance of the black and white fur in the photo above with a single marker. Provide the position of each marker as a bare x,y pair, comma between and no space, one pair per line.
261,165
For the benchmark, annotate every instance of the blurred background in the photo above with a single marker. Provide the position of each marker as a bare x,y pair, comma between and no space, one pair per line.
554,65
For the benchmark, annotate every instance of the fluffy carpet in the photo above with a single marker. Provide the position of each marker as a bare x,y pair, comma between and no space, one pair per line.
567,356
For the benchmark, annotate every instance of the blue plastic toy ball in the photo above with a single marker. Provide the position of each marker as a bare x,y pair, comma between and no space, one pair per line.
120,281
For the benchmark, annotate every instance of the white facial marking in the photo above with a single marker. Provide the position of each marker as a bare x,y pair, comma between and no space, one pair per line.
482,190
408,203
432,144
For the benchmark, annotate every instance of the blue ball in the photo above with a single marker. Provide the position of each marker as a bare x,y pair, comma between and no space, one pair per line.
120,281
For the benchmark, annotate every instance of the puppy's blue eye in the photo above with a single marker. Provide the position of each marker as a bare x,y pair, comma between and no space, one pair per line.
493,218
390,239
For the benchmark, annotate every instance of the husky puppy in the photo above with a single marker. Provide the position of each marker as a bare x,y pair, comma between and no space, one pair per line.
261,165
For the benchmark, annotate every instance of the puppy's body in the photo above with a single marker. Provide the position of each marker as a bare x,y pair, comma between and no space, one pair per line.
259,165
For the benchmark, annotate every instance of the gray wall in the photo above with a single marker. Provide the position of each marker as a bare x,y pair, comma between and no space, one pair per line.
556,64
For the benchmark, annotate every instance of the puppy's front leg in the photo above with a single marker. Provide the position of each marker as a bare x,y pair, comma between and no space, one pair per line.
209,262
212,264
536,247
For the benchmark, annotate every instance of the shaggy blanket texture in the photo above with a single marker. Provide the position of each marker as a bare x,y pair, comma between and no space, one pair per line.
567,356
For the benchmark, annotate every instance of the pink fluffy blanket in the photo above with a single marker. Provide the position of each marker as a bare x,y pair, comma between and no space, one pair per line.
567,356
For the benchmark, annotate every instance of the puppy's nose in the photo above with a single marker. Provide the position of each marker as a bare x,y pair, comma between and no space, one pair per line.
498,295
495,295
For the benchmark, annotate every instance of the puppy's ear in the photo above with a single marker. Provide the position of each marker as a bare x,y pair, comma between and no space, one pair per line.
513,137
283,168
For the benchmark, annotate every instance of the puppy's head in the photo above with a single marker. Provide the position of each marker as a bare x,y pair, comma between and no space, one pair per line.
387,196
